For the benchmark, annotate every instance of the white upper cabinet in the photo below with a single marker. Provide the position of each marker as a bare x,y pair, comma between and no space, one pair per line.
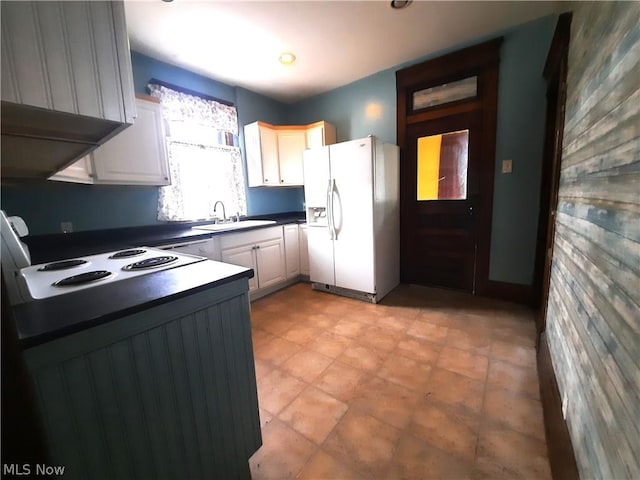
291,144
261,146
320,134
136,156
274,153
70,57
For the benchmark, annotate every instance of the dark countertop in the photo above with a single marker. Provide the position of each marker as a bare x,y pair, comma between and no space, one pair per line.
44,320
50,248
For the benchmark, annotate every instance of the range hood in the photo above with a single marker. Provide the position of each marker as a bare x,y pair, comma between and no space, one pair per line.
37,142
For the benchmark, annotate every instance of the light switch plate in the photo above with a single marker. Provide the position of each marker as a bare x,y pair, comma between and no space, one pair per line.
507,166
66,227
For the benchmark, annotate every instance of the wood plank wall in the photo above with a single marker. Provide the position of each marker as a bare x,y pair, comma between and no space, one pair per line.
593,320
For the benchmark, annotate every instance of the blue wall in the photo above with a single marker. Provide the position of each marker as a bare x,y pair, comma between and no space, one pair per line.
368,106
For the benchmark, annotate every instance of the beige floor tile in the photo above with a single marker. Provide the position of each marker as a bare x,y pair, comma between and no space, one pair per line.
408,372
505,453
519,413
378,338
341,381
417,460
277,389
455,390
320,321
348,327
446,429
278,325
396,323
420,350
262,368
386,401
428,331
329,344
283,453
313,413
300,334
363,441
260,337
428,384
265,417
436,317
362,357
464,363
306,365
323,466
519,355
522,381
473,339
277,350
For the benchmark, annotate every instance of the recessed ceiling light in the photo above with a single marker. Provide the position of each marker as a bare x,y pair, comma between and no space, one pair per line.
398,4
287,58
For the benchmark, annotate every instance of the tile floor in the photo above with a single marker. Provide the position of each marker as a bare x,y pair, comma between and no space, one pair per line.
427,384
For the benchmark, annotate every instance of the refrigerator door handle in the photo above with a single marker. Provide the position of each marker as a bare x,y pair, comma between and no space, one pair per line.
333,218
329,212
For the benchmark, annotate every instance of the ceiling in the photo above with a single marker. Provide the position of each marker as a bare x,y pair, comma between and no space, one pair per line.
335,42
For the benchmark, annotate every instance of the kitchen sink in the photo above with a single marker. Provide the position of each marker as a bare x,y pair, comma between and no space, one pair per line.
221,227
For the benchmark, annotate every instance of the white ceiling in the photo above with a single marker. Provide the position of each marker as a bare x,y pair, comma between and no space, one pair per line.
336,42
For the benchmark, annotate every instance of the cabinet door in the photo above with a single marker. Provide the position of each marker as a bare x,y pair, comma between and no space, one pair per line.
138,155
68,56
269,155
78,172
292,250
245,257
270,260
304,250
291,144
320,134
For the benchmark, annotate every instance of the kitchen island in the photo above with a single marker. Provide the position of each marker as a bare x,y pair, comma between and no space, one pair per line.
149,377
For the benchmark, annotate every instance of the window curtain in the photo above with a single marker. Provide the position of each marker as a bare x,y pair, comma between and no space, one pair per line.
205,164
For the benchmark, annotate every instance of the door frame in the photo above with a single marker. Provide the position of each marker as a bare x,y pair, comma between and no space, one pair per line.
483,61
555,74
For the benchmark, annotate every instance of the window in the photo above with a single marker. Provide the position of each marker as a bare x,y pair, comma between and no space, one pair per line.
204,164
442,166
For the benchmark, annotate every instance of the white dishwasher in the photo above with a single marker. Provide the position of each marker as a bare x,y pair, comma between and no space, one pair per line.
208,247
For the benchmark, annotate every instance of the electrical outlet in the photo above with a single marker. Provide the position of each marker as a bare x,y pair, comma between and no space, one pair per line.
66,227
565,405
507,166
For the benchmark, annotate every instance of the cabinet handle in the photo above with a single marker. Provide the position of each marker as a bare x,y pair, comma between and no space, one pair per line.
258,246
281,181
266,180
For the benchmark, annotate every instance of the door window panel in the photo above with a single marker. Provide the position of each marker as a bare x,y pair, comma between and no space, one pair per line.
445,93
442,166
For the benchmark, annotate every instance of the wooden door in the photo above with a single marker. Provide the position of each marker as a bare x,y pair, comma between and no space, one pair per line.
445,232
442,180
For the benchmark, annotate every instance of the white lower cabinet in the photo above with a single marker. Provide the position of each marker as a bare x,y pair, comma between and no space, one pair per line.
262,250
245,257
304,250
292,250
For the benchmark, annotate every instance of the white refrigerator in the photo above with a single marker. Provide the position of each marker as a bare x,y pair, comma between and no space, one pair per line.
352,206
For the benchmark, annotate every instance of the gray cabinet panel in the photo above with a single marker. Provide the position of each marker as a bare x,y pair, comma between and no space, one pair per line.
51,23
165,393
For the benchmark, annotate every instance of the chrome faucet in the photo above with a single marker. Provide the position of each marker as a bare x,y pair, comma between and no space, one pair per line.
224,214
